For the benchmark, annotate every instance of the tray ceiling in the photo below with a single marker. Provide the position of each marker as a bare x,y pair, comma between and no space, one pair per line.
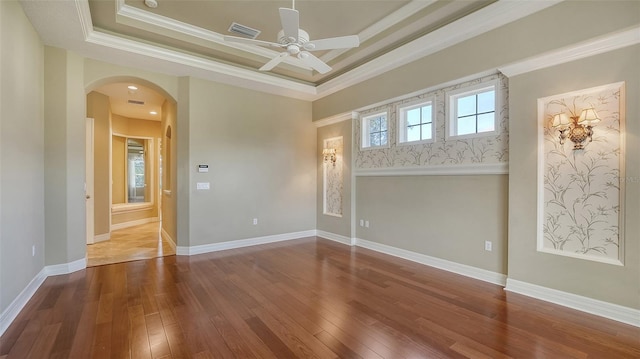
185,37
197,27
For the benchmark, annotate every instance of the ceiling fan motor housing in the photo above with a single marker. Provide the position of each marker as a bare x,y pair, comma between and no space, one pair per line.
303,37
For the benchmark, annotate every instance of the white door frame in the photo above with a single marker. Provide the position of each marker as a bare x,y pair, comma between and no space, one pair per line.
89,184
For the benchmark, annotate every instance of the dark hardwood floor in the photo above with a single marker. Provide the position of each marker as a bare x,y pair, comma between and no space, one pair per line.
300,299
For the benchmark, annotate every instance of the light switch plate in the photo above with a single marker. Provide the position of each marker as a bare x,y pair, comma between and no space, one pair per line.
202,185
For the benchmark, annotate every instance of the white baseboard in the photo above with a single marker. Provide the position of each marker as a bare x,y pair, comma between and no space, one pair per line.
592,306
167,238
102,237
9,315
65,268
21,300
462,269
214,247
335,237
115,227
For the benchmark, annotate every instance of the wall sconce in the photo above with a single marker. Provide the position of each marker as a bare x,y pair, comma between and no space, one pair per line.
329,155
578,129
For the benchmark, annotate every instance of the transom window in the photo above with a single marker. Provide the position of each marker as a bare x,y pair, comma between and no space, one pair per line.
415,122
473,111
375,130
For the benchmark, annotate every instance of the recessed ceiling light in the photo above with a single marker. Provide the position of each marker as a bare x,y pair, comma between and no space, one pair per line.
131,87
153,112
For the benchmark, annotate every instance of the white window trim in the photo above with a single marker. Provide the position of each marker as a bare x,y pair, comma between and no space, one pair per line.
364,130
401,123
452,111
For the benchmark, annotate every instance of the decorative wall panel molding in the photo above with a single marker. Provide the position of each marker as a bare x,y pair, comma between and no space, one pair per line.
442,151
580,192
333,179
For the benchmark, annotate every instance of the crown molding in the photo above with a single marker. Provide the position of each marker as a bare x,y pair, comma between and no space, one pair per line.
47,17
216,71
347,116
133,16
485,19
595,46
392,19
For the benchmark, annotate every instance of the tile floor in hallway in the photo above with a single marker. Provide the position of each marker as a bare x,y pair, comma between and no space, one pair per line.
130,244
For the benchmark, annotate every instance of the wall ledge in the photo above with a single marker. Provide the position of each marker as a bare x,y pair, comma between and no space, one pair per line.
439,170
9,315
589,305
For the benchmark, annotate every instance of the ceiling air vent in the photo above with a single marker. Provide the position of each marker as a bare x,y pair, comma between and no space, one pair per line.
244,30
134,102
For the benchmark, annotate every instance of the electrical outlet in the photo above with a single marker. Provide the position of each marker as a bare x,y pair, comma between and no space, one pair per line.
362,223
33,251
255,221
366,224
487,246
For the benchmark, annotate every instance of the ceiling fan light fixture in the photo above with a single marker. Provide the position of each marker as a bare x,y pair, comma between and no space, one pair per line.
151,3
295,42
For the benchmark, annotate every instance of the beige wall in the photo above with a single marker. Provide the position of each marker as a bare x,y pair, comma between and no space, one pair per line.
331,224
135,127
261,152
98,108
169,149
118,170
64,116
448,217
541,32
611,283
22,158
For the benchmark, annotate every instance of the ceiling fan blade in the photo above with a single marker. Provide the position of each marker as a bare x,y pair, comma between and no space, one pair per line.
243,40
290,20
314,62
342,42
274,61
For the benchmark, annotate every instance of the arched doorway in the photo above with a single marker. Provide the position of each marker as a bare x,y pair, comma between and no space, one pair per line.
133,174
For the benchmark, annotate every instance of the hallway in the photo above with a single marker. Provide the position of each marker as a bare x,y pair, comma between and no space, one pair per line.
130,244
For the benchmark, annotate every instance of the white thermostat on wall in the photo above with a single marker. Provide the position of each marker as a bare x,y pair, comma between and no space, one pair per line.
203,168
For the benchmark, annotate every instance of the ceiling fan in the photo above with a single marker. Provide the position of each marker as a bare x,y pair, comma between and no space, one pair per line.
296,42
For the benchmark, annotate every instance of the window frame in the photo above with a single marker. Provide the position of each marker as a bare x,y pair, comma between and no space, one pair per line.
452,109
365,143
403,108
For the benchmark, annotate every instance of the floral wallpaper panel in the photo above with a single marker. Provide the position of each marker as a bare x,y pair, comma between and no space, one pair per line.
581,189
333,179
442,151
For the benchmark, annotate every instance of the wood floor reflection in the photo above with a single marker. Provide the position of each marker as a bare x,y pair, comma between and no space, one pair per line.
130,244
308,298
